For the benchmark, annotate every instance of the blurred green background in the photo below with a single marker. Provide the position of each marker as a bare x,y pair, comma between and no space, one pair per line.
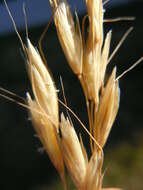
22,166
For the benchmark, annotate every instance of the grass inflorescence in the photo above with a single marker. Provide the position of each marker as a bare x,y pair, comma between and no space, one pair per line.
88,58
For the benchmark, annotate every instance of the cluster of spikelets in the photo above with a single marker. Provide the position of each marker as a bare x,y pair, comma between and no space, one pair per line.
88,59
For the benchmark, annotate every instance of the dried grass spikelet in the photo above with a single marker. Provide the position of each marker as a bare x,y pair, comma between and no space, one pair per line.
74,155
93,179
108,108
44,109
42,84
46,132
87,175
69,34
95,14
94,59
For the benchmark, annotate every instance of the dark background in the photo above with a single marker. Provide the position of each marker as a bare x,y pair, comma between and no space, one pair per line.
21,165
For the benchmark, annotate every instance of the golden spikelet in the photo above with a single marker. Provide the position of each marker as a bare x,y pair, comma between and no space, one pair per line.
108,107
69,34
86,174
95,14
44,109
92,50
104,58
42,84
72,152
93,179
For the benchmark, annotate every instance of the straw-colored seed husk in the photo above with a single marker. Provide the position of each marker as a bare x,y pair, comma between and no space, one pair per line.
72,152
95,13
42,84
69,34
92,50
44,109
47,134
104,58
93,179
107,111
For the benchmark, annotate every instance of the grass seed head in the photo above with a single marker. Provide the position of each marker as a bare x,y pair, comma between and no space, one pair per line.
88,59
69,34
